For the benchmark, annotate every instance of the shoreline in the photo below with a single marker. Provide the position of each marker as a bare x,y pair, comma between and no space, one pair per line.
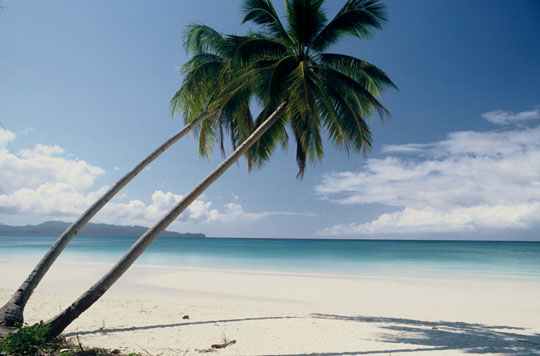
288,314
412,275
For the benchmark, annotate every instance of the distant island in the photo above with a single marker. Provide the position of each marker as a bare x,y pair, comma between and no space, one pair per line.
91,229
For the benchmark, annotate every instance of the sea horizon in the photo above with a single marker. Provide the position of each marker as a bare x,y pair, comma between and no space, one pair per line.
456,239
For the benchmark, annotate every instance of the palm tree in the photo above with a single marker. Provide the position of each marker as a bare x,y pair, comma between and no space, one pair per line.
293,78
205,67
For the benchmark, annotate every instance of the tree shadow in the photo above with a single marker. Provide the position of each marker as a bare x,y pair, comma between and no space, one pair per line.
422,336
173,325
358,353
470,338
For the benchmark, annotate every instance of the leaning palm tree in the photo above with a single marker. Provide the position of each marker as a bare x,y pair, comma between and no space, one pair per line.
298,84
205,67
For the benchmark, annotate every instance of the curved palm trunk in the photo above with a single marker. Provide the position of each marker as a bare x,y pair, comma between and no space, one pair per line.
11,314
62,320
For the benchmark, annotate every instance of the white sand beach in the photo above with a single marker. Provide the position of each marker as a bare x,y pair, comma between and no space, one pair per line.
289,314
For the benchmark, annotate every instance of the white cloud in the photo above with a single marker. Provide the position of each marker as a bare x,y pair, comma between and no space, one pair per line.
428,220
6,136
500,117
236,212
48,199
137,212
471,181
42,181
199,212
408,148
43,164
45,181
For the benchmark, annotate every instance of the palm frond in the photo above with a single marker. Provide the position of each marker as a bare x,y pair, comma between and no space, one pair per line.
263,149
279,79
306,19
356,18
300,88
359,70
199,38
251,49
206,137
198,60
197,90
332,120
300,152
262,12
360,93
349,115
237,83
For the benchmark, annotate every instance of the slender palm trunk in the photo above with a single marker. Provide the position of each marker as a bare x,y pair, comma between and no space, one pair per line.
62,320
11,314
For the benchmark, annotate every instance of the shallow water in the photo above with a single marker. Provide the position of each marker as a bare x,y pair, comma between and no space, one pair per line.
463,259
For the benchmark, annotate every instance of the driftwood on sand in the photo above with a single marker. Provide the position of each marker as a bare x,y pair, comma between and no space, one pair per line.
223,345
215,347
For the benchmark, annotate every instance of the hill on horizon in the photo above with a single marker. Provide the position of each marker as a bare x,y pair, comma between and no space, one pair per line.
91,229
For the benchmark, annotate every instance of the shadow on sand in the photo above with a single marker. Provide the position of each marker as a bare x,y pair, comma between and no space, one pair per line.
420,337
469,338
161,326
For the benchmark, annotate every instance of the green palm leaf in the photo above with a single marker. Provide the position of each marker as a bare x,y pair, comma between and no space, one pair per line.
356,18
305,19
262,12
199,38
359,70
251,49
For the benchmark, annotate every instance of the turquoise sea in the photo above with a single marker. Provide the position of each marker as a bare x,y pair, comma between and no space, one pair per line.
514,260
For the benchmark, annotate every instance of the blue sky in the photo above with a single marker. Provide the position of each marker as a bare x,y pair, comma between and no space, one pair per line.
84,92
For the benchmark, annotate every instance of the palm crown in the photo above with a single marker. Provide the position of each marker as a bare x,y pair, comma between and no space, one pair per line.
329,92
205,76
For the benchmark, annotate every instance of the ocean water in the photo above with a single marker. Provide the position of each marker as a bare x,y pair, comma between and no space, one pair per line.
515,260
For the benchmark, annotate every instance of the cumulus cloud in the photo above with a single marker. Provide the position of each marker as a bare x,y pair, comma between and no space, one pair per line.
199,212
44,181
137,212
500,117
471,181
43,164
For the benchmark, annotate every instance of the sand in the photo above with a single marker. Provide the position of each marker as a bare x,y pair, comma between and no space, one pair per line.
289,313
